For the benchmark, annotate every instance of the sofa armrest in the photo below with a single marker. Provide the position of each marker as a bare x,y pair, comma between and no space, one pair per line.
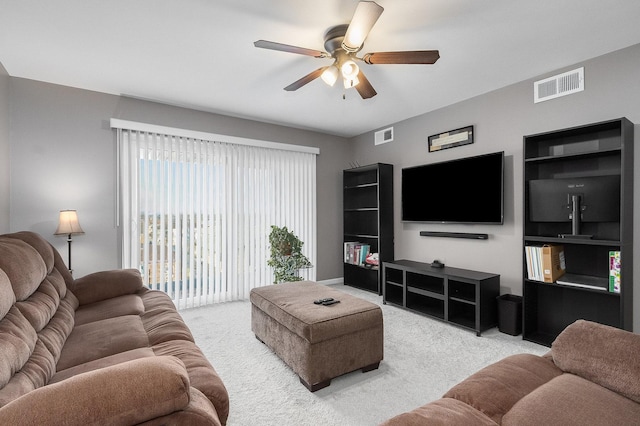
602,354
106,284
128,393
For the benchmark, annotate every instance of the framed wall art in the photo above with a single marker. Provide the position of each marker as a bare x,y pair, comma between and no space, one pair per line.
451,139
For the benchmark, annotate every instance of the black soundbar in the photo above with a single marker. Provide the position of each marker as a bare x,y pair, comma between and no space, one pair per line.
454,235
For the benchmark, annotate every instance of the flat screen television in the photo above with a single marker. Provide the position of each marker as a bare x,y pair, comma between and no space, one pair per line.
465,190
575,200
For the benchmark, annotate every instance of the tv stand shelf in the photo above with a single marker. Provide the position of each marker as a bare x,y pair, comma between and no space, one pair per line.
460,297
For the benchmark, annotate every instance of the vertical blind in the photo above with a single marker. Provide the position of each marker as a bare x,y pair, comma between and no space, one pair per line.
197,209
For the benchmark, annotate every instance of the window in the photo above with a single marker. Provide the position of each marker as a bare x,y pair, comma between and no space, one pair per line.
197,209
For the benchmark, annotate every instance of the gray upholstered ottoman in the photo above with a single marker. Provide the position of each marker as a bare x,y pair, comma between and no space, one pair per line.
318,342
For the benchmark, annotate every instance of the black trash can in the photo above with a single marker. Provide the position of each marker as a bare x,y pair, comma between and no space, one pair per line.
510,314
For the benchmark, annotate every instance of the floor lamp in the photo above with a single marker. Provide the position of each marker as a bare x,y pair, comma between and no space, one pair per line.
68,225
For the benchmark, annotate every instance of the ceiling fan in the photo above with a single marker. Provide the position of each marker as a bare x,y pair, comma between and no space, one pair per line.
342,43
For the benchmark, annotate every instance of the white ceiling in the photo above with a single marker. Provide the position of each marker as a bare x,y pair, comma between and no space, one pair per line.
200,53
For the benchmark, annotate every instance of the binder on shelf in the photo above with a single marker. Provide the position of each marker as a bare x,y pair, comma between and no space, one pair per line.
532,263
614,271
355,253
545,263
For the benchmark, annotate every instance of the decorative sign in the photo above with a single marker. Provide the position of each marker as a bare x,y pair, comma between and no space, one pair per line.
451,139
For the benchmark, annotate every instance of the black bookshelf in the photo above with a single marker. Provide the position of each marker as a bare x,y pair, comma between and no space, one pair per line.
368,219
598,149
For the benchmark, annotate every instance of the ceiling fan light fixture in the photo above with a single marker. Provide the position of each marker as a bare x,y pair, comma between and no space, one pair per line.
330,75
349,69
364,18
350,82
342,42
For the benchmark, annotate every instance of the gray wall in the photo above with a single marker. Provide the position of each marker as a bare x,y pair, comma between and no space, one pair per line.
4,150
501,119
63,157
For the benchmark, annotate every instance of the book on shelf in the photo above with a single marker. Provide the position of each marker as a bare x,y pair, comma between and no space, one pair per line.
355,252
545,263
584,281
614,271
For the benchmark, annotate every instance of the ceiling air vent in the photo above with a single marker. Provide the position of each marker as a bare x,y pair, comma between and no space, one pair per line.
559,85
384,136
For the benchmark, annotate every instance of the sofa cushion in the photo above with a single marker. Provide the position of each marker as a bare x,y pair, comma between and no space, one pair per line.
573,400
163,325
32,335
102,338
17,342
45,250
7,297
23,265
602,354
40,307
99,363
129,304
497,387
443,412
106,285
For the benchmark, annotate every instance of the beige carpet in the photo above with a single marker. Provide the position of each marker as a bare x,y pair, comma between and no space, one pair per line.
423,358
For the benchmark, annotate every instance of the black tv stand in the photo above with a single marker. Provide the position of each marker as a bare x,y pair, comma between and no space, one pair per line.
456,296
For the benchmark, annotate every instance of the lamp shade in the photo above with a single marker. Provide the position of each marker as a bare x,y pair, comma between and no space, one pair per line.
351,82
349,69
365,16
330,75
68,223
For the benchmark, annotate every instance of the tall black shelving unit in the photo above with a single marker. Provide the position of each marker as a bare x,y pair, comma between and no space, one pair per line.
368,219
598,149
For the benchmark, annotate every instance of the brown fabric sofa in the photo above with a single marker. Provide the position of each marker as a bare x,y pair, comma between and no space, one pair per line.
591,376
102,349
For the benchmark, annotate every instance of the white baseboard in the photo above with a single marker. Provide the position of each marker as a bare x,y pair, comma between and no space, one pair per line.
332,281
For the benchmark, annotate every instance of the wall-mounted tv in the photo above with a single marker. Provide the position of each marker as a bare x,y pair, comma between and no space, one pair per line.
465,190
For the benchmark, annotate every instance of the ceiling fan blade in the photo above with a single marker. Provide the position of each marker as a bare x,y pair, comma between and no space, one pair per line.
364,18
364,88
264,44
304,80
408,57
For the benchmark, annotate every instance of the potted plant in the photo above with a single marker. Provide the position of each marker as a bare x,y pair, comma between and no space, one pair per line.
286,255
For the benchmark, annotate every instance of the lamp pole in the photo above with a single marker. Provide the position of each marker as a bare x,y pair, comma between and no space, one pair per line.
69,244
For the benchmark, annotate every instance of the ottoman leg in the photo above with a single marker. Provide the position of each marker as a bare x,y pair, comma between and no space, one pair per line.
316,386
371,367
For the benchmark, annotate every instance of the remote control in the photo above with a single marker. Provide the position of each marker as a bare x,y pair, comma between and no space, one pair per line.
321,301
330,302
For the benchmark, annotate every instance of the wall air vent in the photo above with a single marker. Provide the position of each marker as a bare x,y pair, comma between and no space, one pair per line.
384,136
559,85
